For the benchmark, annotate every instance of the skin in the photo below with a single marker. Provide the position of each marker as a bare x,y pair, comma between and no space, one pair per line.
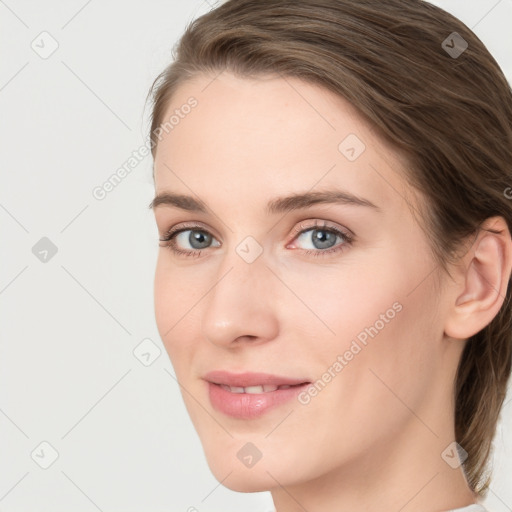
373,438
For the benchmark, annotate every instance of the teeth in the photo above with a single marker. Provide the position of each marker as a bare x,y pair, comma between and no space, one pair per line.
253,390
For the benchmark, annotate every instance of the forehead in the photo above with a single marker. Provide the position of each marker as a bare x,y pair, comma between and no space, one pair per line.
271,136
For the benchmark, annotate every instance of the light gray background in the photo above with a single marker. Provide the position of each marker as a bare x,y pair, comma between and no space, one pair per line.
69,326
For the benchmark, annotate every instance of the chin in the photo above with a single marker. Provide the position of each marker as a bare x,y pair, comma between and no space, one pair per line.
242,479
226,462
243,476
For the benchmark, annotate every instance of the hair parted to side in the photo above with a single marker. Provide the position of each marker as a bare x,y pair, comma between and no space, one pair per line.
451,118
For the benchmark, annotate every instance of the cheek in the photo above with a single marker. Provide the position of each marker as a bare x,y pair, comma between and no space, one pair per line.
387,336
174,298
164,299
380,318
339,302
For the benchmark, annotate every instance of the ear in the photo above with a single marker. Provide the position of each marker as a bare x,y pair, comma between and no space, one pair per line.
484,275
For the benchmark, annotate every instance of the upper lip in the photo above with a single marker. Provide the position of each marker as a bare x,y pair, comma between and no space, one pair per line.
250,379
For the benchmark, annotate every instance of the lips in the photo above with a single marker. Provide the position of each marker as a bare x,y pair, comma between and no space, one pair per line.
249,395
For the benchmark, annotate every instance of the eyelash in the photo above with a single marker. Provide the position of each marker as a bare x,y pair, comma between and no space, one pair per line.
345,235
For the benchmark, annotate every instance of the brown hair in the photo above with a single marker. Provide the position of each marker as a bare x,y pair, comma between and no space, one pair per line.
449,113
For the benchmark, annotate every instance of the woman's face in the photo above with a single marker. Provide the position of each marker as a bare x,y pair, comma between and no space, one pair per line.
304,263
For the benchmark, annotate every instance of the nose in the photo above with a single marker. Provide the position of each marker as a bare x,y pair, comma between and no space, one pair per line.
241,305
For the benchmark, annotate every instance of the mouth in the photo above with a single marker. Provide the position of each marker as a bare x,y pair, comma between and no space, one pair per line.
250,395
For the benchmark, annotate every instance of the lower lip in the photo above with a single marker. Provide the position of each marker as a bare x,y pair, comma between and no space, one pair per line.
249,406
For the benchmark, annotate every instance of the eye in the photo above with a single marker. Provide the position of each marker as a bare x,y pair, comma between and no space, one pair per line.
197,239
193,236
322,239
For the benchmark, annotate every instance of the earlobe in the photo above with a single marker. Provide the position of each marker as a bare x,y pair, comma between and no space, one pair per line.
487,272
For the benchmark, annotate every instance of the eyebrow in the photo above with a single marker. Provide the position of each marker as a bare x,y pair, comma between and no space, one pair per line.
278,205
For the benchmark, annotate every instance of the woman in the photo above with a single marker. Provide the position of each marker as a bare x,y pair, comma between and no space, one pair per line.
333,203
